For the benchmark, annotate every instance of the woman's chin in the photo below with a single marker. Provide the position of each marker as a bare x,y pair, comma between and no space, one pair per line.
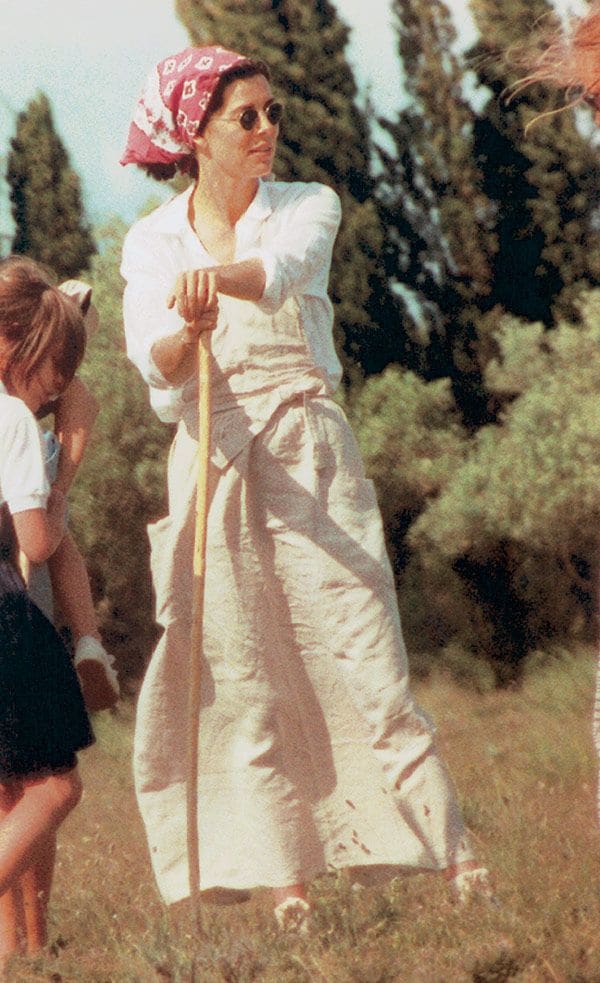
261,164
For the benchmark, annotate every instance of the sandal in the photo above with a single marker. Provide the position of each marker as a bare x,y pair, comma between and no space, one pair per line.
293,915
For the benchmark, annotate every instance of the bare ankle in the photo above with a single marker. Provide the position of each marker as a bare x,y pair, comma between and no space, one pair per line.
281,894
451,872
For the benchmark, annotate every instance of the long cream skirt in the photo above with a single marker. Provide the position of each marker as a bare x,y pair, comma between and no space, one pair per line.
313,754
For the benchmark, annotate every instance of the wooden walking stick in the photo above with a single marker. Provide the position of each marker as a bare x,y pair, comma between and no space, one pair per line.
204,410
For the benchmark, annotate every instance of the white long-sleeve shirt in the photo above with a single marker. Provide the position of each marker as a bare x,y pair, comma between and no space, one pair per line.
291,228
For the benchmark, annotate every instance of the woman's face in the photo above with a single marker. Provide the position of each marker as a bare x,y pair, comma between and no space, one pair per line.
225,143
44,386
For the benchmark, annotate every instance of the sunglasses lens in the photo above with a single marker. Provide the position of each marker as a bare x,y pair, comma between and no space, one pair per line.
274,113
248,119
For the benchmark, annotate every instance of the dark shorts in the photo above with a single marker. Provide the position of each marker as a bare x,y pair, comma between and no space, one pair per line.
43,721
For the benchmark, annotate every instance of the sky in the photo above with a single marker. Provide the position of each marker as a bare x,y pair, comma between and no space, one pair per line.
91,60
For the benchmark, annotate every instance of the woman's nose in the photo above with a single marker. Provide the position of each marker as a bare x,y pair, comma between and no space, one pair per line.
264,123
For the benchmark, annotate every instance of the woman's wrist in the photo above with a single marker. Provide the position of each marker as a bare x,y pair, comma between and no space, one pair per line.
173,357
187,340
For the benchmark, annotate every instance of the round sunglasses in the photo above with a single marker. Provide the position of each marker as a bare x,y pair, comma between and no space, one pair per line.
250,117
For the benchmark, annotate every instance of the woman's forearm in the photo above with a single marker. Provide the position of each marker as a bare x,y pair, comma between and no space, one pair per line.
175,356
245,280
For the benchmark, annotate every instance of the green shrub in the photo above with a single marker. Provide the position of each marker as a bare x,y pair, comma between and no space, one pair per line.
121,484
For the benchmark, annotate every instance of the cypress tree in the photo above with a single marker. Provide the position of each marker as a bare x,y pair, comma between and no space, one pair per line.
45,195
440,239
325,137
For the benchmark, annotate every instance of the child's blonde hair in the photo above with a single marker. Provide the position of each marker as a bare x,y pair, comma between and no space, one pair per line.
37,321
567,59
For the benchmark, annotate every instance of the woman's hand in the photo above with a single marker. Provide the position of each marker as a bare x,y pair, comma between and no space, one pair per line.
195,297
207,321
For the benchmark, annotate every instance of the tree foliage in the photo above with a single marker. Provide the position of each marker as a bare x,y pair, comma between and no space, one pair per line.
440,238
543,179
438,217
501,554
45,195
480,212
120,487
411,438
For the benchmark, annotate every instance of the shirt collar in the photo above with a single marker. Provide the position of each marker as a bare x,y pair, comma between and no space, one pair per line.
260,206
3,388
174,215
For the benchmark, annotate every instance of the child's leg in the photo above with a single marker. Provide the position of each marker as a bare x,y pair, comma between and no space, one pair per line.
12,926
71,589
36,884
35,817
30,813
12,921
73,597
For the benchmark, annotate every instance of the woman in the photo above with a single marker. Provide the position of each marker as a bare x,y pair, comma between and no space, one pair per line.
313,754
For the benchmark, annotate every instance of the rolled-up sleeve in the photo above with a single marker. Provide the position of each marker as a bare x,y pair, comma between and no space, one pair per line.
23,480
148,282
297,257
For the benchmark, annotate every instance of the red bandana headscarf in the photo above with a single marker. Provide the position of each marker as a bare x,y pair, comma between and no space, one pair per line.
173,104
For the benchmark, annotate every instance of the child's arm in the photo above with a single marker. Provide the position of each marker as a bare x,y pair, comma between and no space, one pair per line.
74,415
39,531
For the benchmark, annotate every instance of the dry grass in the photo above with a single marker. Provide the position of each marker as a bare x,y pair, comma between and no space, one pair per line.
523,762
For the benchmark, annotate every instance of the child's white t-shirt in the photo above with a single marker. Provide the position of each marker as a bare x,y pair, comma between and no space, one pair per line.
23,481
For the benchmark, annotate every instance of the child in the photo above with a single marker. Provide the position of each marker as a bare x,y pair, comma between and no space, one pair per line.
74,414
43,723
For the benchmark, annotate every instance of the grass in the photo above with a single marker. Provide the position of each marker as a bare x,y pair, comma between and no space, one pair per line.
523,762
